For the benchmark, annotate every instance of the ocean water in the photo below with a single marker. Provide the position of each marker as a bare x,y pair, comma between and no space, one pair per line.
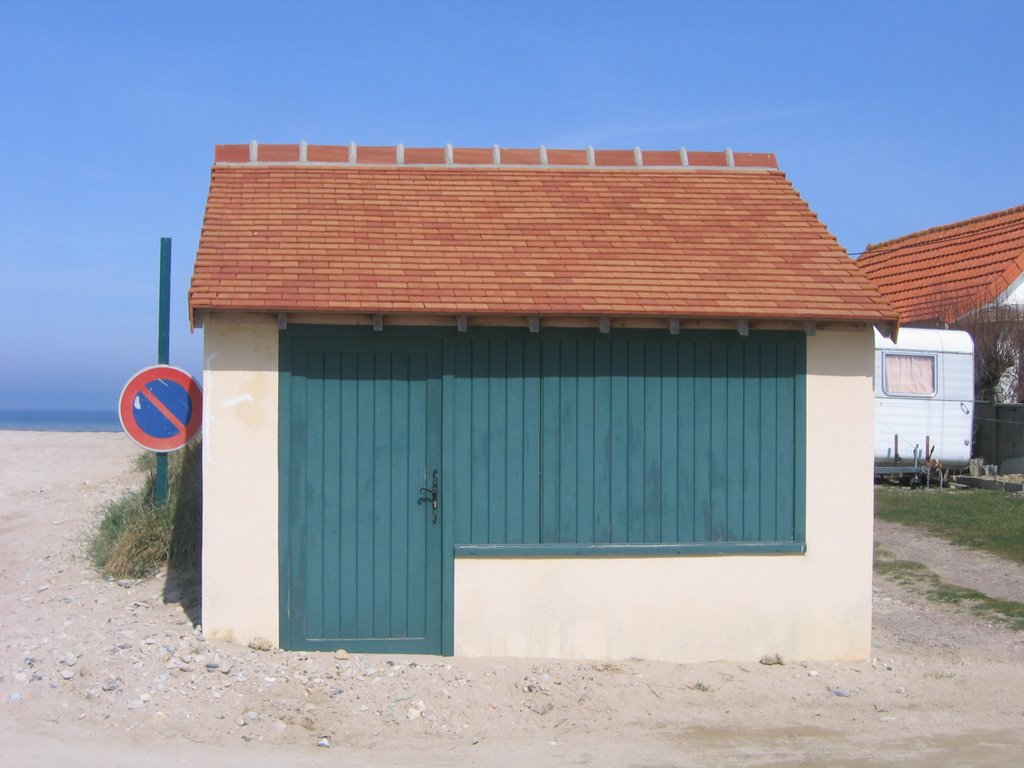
60,421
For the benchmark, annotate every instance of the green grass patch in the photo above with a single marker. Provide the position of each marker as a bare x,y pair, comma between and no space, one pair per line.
919,577
134,537
992,521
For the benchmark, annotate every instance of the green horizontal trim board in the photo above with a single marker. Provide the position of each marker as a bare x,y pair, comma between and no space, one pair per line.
630,550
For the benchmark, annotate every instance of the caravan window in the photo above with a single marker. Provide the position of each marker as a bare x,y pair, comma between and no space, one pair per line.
909,374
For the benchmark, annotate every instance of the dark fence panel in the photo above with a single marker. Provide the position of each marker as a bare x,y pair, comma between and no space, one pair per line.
998,431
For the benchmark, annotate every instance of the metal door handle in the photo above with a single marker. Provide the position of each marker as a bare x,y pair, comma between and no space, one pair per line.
430,495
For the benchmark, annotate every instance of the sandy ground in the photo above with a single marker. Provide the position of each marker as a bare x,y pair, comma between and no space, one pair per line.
106,673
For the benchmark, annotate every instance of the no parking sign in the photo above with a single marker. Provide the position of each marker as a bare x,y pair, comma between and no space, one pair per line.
161,408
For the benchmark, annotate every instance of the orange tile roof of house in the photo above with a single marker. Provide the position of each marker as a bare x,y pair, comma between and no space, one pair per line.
939,274
527,232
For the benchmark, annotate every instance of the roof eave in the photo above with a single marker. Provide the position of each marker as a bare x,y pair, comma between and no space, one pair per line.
887,325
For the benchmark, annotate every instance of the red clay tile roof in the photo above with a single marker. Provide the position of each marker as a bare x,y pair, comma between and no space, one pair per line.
623,233
939,274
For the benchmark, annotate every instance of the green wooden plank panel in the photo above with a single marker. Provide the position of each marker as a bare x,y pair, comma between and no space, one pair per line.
751,479
585,450
356,407
652,459
686,451
433,535
669,448
633,459
497,448
404,496
314,505
702,441
800,441
664,446
461,492
719,442
348,577
382,496
567,448
532,449
550,443
515,425
618,410
420,577
735,430
603,464
564,438
332,491
447,476
479,441
769,456
362,591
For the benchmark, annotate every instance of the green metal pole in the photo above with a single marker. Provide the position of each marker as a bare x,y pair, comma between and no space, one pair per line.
163,353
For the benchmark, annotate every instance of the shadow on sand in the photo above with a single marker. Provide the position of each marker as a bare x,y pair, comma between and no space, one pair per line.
184,567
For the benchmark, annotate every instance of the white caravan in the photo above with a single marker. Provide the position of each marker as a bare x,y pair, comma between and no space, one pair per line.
924,400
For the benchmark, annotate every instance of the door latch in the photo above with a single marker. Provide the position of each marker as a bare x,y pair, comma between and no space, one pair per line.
429,495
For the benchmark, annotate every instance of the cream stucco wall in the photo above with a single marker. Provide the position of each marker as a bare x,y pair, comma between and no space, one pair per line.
816,605
240,477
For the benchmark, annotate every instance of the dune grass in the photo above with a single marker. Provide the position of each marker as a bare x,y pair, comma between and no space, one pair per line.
134,537
992,521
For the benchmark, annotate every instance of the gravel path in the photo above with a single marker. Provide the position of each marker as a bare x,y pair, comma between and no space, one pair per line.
990,574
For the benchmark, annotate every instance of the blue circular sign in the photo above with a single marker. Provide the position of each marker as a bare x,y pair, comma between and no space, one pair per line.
161,408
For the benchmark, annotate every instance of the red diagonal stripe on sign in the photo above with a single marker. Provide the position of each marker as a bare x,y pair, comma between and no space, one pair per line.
163,409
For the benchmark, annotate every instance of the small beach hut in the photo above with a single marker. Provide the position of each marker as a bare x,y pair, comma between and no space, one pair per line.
532,402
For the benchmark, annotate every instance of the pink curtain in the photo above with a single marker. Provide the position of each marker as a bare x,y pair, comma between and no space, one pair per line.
910,374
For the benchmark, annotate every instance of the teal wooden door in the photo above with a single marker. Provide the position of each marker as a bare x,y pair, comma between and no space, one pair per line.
361,545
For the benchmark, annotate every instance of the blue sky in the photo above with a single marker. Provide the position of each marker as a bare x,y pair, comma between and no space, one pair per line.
887,116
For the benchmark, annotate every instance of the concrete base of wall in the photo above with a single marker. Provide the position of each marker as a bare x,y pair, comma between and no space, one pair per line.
681,609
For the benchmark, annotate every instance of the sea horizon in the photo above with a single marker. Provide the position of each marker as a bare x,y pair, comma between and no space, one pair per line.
60,420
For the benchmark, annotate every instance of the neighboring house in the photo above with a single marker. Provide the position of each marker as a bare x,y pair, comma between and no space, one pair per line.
529,402
938,275
968,275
